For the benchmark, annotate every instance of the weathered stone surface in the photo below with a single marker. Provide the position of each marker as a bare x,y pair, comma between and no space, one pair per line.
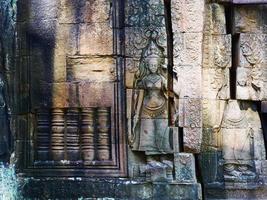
213,112
188,81
96,94
253,50
216,83
60,72
249,84
84,11
43,9
215,19
241,122
251,73
192,139
187,48
67,37
137,39
144,13
177,191
212,170
190,113
175,139
212,140
77,59
107,189
185,171
131,67
59,95
95,39
187,15
250,19
217,51
24,124
94,69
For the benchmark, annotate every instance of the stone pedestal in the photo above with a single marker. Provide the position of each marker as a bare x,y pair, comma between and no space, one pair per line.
119,189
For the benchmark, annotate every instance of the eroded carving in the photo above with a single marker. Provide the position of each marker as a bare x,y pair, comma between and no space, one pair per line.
239,133
149,123
145,13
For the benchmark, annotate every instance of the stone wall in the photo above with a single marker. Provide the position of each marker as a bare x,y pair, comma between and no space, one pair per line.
134,99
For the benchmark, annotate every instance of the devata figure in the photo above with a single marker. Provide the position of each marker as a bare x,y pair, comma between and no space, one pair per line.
242,138
149,125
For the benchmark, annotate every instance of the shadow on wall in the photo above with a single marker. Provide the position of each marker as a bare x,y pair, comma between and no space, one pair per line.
7,63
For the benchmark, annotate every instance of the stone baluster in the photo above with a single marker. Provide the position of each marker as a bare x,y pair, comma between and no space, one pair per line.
43,135
103,139
87,136
57,139
72,134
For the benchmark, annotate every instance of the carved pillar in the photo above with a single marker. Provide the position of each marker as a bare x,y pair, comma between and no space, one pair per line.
72,134
87,136
43,135
57,138
103,139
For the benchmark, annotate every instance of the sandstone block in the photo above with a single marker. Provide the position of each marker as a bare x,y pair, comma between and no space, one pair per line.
253,50
96,39
84,11
96,94
212,140
192,140
213,113
250,83
59,69
66,39
144,13
94,69
190,113
188,15
215,19
250,19
185,171
187,81
187,48
60,95
137,39
217,51
216,83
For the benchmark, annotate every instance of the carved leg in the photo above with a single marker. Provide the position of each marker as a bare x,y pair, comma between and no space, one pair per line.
246,170
155,169
168,166
231,171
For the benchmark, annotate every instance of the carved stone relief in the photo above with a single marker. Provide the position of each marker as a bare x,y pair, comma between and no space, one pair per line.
241,129
215,22
250,73
144,13
250,19
216,83
148,124
187,16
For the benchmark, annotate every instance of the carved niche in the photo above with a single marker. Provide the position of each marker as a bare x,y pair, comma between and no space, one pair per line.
74,125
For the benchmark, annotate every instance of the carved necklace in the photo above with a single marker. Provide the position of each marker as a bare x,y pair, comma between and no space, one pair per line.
235,123
153,79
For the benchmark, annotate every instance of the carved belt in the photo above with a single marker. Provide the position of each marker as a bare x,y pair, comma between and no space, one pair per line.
154,112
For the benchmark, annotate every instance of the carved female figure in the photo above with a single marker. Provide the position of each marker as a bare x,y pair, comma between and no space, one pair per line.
150,132
238,140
